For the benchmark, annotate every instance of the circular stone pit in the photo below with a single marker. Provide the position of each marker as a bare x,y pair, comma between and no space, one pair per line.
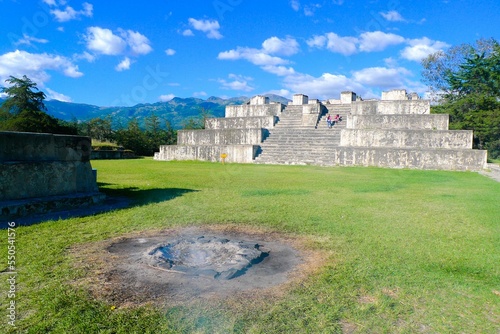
214,257
194,264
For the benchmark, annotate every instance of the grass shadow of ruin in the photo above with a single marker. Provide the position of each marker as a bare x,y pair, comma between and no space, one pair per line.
116,199
139,197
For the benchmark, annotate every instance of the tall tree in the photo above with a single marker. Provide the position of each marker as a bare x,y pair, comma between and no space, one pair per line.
469,90
24,109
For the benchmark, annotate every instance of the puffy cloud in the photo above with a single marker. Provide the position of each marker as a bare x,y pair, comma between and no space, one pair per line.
325,86
170,52
378,41
123,65
188,32
137,42
255,56
210,28
286,47
27,40
295,5
382,77
335,43
166,97
237,82
103,41
392,16
68,13
418,49
53,95
35,66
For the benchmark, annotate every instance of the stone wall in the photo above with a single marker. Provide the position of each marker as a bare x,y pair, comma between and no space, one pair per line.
442,139
248,110
412,158
234,153
240,122
402,107
415,122
221,136
34,165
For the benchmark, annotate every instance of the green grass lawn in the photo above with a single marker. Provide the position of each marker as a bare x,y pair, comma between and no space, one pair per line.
411,251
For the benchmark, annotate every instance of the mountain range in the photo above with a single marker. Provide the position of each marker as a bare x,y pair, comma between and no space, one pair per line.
176,111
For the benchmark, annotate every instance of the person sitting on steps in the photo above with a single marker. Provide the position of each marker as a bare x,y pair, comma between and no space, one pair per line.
336,119
329,121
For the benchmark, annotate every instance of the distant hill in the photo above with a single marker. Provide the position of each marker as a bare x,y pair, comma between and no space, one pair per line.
175,111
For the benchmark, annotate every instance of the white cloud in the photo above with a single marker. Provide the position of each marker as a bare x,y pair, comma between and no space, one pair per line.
86,56
286,47
418,49
237,82
210,28
378,41
334,43
255,56
323,87
35,66
295,5
311,9
187,32
343,45
382,77
103,41
124,65
200,94
392,16
281,71
170,52
166,97
281,92
68,13
137,42
53,95
27,40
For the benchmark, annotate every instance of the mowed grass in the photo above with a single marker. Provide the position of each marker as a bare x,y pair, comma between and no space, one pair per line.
411,251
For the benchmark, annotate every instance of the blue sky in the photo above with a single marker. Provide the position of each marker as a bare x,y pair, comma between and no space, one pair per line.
111,53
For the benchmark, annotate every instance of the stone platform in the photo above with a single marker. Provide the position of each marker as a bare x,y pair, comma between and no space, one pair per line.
397,131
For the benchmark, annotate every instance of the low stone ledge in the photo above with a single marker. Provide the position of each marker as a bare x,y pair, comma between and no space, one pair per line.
417,158
24,146
213,153
447,139
221,136
399,122
41,205
241,122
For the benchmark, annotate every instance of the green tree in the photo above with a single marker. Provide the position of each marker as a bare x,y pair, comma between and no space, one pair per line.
197,122
469,90
23,109
438,67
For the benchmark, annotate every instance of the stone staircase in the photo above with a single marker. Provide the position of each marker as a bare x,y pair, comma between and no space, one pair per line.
291,143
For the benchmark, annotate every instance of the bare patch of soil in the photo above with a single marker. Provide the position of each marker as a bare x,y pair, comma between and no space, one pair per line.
119,271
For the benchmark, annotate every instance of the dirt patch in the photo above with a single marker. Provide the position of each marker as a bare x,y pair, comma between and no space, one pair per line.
120,272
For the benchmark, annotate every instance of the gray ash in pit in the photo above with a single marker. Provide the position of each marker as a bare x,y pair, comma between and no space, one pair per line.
215,257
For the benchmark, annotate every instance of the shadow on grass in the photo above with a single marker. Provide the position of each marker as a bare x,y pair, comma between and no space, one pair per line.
116,199
138,197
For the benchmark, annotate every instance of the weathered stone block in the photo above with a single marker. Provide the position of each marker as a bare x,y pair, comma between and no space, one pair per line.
234,153
221,136
407,138
391,107
410,121
241,122
247,110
